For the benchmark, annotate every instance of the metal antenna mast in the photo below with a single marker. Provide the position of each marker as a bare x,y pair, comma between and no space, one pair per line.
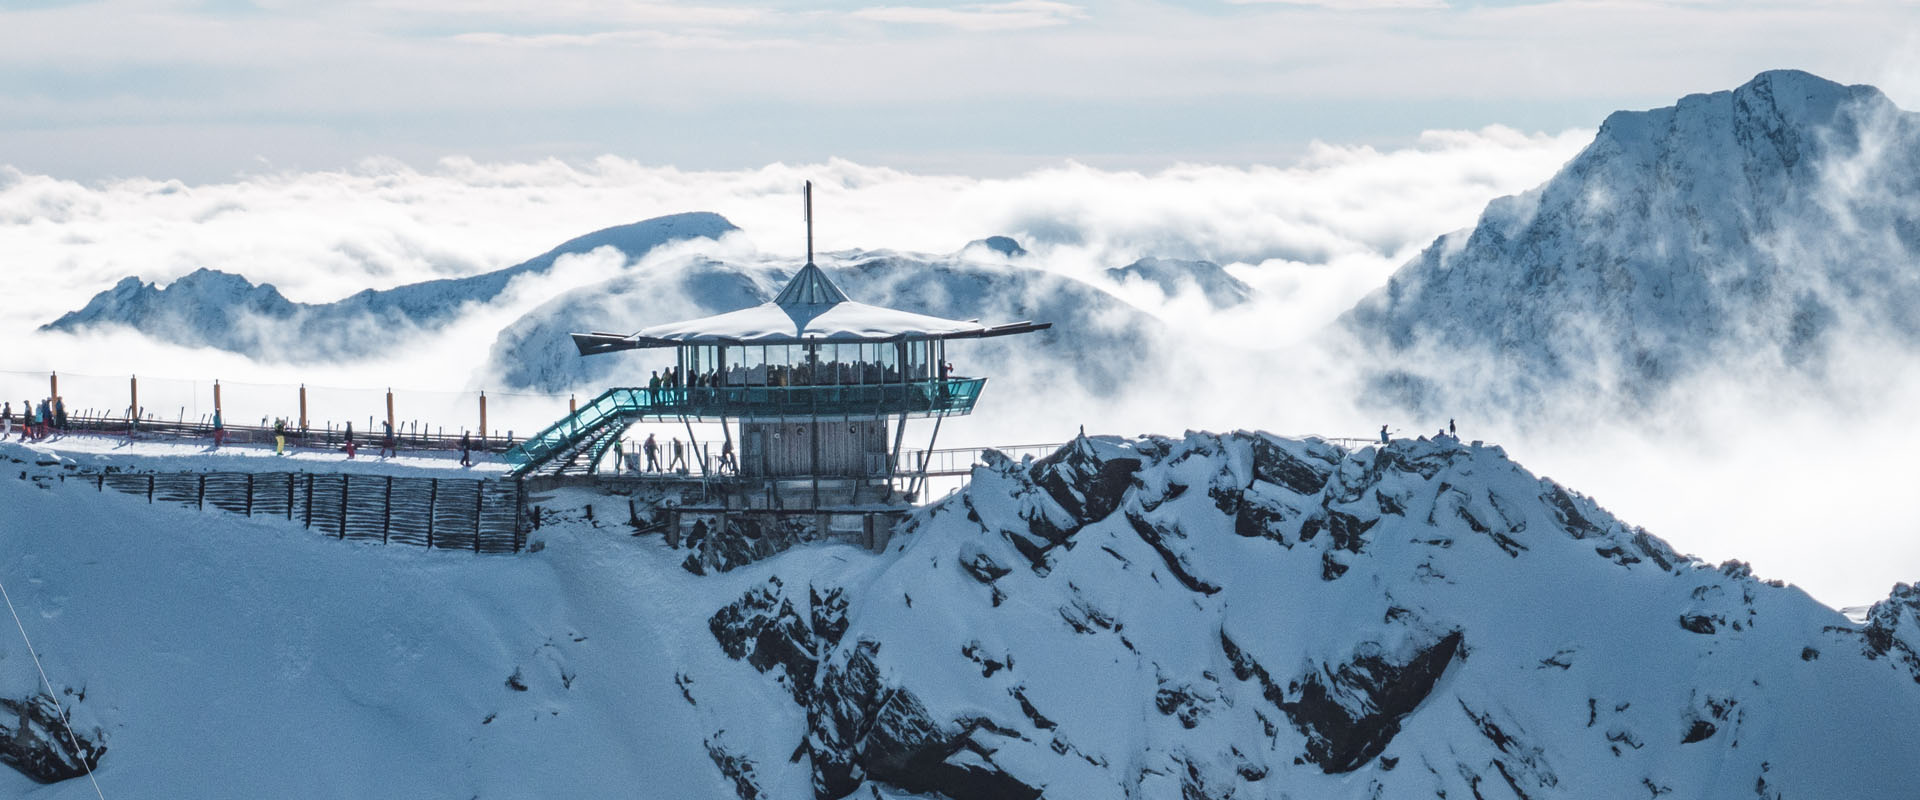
807,210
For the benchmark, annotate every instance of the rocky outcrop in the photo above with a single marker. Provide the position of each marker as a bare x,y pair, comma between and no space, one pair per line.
1240,615
36,740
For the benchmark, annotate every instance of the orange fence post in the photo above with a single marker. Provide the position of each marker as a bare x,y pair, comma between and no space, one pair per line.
390,408
53,386
303,406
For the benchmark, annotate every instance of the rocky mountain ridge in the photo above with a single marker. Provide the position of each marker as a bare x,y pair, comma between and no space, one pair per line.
217,309
1238,615
1754,230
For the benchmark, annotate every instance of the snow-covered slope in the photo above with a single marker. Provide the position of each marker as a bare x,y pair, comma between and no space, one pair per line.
1208,616
1107,337
229,312
1755,227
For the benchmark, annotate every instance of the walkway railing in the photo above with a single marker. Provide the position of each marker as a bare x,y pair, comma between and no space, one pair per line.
710,403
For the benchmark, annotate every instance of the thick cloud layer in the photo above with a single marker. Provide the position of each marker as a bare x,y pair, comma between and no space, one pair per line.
1310,238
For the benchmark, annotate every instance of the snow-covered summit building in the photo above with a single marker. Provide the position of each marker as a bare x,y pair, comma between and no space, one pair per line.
814,387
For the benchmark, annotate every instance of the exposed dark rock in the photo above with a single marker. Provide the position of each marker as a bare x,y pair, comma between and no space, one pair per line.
1156,537
1697,623
1273,464
1088,487
1890,625
765,630
1698,730
34,739
983,568
862,729
1182,702
736,768
743,541
1350,713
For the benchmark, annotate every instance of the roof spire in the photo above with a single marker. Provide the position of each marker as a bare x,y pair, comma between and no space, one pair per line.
810,286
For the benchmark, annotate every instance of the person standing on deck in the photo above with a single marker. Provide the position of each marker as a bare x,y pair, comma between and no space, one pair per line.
219,430
280,437
653,388
386,440
652,451
6,421
679,456
619,456
726,457
349,446
466,449
60,414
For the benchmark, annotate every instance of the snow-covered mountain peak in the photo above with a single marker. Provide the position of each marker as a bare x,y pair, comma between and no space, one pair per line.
202,308
1744,227
1215,616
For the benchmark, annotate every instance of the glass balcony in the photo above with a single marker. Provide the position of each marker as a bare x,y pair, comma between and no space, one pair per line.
715,403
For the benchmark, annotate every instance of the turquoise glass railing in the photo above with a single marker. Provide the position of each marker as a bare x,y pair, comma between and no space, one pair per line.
952,396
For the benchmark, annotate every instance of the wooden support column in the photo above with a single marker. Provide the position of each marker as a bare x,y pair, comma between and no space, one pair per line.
216,399
390,409
133,405
483,419
303,406
573,405
53,386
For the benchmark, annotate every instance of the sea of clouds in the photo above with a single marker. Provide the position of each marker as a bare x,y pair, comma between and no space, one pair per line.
1806,494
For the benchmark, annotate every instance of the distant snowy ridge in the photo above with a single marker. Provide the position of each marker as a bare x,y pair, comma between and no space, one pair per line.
226,311
1107,338
1754,227
1173,276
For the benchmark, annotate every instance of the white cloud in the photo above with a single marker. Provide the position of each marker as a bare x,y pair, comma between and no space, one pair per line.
1349,5
1016,15
1311,235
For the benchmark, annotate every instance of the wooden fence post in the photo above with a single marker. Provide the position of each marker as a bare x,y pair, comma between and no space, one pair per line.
303,409
309,514
53,387
483,420
386,518
133,407
149,488
345,486
249,489
201,502
479,502
433,502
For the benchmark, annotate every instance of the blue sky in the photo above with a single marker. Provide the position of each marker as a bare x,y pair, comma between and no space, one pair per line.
205,90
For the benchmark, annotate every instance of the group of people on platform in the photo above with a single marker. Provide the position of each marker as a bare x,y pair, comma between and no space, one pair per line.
37,420
676,455
826,373
1449,432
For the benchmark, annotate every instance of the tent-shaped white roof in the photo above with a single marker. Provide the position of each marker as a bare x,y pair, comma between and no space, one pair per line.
810,309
